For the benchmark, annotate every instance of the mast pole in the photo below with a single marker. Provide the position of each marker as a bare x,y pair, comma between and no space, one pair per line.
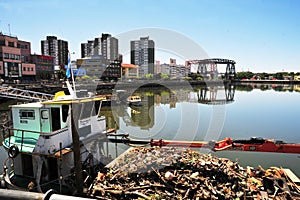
76,151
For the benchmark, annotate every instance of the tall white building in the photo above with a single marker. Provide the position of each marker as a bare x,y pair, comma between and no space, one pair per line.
142,54
106,45
56,48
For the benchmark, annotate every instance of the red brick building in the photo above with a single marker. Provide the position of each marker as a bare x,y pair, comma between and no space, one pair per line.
15,62
44,66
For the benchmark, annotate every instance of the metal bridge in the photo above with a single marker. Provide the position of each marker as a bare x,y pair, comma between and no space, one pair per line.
15,93
209,67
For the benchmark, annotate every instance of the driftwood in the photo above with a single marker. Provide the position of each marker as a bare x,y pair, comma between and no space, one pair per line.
169,173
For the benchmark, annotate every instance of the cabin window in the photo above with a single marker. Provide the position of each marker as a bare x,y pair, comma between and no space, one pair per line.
86,110
65,112
97,106
27,114
55,121
45,114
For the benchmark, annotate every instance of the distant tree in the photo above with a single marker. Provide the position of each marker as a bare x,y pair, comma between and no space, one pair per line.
149,76
165,76
264,75
244,75
187,78
61,74
279,75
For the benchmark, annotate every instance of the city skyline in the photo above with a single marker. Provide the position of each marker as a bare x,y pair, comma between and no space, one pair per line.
259,35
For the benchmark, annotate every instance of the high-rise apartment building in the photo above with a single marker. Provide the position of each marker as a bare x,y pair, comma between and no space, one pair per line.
87,49
142,54
106,45
56,48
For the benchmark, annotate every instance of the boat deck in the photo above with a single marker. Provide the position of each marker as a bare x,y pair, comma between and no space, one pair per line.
26,145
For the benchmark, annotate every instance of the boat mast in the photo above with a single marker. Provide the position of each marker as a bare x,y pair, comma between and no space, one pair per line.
76,150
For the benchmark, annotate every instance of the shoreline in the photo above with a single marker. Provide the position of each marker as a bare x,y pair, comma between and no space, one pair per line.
53,88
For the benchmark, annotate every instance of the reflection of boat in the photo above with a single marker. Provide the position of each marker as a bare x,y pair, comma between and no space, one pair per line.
134,100
41,142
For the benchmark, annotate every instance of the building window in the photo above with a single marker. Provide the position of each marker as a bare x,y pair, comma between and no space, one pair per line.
11,44
2,42
17,57
12,56
6,56
24,69
28,69
32,69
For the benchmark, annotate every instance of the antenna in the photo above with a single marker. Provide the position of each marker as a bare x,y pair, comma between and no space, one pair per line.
9,29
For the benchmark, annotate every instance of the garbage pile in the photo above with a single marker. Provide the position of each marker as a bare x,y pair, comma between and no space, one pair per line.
175,173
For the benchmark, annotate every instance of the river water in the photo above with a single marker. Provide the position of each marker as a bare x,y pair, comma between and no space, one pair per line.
212,113
216,112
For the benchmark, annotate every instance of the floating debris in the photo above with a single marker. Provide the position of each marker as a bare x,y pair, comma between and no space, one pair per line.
175,173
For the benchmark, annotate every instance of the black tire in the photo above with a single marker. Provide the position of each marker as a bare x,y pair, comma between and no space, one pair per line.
13,151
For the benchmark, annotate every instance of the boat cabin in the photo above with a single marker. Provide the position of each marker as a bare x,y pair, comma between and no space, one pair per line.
40,139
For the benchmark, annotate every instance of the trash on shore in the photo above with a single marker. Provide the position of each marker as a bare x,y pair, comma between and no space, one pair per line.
176,173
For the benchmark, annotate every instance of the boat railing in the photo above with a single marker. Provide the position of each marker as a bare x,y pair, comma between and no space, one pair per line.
19,136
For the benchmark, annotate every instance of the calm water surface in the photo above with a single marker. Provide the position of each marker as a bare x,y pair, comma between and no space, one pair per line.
213,113
239,112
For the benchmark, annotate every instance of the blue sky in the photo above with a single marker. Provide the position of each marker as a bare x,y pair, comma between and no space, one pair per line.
260,35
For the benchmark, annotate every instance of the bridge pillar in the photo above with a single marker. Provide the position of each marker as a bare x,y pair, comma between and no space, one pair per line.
230,72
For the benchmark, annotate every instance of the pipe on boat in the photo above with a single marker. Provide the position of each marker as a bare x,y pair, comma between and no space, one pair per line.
23,195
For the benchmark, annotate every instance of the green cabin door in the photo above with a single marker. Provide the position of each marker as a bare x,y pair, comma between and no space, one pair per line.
45,121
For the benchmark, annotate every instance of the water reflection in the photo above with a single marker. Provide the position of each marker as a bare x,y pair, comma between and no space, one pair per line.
209,95
248,87
143,116
187,114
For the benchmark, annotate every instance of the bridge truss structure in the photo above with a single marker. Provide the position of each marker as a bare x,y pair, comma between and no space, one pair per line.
20,94
209,67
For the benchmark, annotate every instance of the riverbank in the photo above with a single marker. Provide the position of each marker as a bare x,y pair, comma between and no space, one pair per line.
144,83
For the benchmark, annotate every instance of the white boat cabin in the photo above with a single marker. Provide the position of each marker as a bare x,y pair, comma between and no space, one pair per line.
40,140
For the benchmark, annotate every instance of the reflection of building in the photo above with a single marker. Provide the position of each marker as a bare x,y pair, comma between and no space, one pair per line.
145,117
111,120
15,59
142,54
56,48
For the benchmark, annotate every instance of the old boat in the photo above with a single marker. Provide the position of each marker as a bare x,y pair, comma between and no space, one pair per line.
39,142
134,100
